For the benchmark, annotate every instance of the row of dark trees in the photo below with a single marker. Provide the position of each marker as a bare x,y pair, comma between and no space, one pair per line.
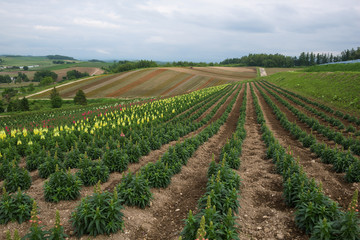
21,77
123,66
19,105
74,74
305,59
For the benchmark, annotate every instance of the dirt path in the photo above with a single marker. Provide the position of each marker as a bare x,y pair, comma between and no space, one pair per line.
263,213
333,183
262,72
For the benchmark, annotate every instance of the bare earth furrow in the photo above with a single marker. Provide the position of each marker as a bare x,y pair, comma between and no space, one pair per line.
263,214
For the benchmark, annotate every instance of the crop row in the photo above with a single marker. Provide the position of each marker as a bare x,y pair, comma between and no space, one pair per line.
215,218
342,161
337,113
333,121
135,190
85,147
316,213
337,137
92,171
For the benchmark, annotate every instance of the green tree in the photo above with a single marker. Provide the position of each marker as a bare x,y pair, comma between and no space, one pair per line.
44,73
24,104
5,79
14,106
8,93
56,100
26,68
31,87
23,77
46,81
80,98
1,107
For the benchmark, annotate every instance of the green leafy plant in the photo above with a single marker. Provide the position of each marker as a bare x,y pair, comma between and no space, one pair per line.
92,171
36,229
15,207
17,178
97,214
49,166
62,186
134,191
191,226
57,232
157,174
116,160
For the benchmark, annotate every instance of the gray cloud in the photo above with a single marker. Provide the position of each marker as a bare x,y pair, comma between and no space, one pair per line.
197,30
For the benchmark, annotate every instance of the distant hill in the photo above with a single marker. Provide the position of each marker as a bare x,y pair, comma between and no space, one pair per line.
152,82
59,57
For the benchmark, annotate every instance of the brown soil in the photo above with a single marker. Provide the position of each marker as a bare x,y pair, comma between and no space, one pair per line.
333,183
205,84
263,213
135,83
102,81
208,72
236,69
176,85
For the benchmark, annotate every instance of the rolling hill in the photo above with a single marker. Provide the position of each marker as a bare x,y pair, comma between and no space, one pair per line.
152,82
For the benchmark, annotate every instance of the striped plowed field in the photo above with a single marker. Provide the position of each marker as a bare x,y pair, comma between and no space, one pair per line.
132,85
164,81
169,90
153,82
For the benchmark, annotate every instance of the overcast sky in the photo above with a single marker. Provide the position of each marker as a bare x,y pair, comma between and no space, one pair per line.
166,30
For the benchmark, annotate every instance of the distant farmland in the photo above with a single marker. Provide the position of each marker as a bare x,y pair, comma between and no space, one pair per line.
153,82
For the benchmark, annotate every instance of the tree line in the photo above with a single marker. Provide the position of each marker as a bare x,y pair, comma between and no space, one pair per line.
305,59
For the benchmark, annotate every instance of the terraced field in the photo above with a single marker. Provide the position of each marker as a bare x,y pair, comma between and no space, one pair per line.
154,82
153,162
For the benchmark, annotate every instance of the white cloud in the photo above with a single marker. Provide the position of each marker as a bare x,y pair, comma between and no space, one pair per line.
102,51
94,23
196,30
156,39
47,28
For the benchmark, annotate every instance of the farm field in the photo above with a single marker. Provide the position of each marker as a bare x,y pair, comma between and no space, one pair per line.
248,154
153,82
340,89
60,72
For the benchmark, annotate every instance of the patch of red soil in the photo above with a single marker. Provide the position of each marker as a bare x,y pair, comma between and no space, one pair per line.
176,85
135,83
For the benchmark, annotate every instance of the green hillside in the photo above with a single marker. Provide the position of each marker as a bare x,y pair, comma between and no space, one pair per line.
339,89
348,67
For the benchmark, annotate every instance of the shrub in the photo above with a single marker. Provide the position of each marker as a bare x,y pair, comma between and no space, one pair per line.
62,186
17,178
134,191
91,172
157,174
15,207
97,214
80,98
116,160
49,166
